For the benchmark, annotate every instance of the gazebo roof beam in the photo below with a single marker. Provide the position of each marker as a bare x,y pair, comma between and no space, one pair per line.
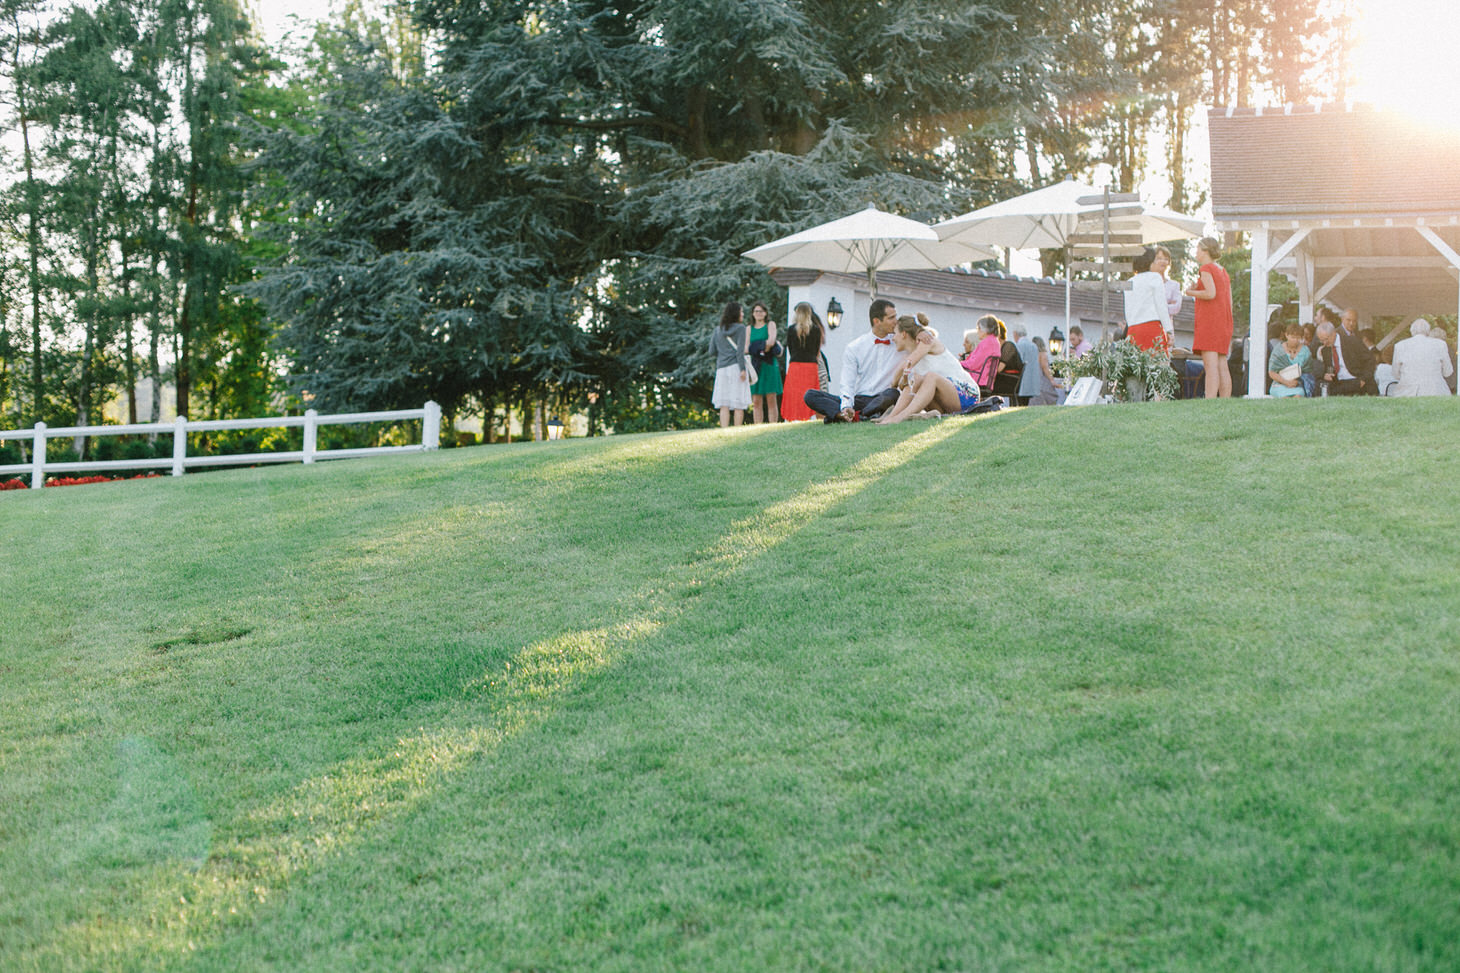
1370,263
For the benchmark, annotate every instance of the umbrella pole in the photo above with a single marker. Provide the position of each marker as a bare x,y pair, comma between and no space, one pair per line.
872,281
1067,289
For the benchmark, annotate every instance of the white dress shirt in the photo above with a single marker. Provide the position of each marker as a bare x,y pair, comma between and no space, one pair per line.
1342,373
868,367
1146,300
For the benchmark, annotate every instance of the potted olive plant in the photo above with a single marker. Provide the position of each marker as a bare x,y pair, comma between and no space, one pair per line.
1130,374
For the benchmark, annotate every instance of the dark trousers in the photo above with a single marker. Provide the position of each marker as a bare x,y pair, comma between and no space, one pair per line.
1345,386
828,406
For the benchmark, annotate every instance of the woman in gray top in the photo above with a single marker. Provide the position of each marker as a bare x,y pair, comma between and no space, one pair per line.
729,343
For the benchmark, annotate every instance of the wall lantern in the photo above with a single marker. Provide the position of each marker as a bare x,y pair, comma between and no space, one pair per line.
1056,342
833,314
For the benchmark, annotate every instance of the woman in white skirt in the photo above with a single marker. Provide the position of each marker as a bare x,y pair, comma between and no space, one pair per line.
730,343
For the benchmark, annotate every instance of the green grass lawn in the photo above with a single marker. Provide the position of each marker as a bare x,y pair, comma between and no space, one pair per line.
1166,687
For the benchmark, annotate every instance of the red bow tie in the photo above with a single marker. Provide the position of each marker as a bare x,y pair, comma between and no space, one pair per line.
881,341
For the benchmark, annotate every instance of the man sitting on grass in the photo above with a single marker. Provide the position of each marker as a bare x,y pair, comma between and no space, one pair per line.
869,367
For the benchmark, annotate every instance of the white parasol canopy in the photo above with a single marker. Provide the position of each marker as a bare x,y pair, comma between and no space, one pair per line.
868,241
1048,217
1051,217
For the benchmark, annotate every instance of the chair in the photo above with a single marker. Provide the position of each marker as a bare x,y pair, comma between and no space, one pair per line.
985,374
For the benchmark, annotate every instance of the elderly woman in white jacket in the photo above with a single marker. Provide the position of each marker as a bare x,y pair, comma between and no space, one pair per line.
1421,363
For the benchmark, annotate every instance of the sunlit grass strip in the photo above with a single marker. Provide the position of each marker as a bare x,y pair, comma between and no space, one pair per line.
325,815
754,536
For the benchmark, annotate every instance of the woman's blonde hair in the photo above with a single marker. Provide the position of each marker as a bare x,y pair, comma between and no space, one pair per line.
914,325
805,317
1211,246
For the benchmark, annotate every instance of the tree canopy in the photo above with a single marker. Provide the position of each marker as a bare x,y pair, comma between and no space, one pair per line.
500,203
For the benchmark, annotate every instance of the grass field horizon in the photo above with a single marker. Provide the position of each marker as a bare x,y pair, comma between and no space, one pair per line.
1166,687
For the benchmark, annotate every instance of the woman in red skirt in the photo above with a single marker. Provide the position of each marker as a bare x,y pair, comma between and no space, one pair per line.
1146,315
1213,293
803,343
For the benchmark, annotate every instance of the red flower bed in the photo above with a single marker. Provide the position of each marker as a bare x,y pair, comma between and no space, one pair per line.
19,484
78,480
75,480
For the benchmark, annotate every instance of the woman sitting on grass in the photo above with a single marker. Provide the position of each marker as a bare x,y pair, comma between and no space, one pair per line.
934,382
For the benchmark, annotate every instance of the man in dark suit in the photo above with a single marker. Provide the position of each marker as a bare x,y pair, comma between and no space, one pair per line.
1350,329
1348,367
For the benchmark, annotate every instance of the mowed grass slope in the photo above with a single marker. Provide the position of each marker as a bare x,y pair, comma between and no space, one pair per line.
1137,687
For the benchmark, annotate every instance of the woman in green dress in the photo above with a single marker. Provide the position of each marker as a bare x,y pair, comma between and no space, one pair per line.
765,394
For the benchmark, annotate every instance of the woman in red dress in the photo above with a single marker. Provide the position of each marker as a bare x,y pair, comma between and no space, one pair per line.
1213,293
803,341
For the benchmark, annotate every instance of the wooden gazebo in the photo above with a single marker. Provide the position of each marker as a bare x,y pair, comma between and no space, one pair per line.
1361,208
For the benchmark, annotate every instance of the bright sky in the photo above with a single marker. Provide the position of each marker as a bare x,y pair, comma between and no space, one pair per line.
274,14
1408,57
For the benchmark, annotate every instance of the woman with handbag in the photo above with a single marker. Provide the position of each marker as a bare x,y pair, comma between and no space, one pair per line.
765,388
730,344
1285,365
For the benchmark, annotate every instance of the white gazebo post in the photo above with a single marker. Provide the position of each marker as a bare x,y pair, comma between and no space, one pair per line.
1264,261
1256,357
1306,285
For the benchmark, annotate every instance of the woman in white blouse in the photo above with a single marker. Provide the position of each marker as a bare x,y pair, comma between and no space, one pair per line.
1147,314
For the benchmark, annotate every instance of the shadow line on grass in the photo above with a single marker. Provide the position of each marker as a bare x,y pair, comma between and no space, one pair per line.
189,905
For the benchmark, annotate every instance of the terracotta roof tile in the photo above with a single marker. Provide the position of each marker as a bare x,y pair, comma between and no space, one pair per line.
1329,160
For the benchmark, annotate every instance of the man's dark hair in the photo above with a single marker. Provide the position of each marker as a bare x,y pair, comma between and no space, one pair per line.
1142,263
877,309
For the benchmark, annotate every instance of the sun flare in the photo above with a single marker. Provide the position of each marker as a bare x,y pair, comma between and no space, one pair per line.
1406,59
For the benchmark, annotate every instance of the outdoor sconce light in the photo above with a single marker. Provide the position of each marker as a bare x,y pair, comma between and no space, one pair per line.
833,314
1056,342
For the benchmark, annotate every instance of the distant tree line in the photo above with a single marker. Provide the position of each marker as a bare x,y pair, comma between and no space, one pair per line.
514,206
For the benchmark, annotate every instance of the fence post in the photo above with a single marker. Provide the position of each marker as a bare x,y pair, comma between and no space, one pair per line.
431,426
38,458
179,445
311,434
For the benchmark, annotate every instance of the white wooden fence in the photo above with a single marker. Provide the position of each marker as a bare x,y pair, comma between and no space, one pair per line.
429,414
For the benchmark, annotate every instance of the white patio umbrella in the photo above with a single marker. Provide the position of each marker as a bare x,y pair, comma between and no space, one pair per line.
867,242
1048,217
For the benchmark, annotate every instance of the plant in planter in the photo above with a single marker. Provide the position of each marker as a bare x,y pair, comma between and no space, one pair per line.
1130,374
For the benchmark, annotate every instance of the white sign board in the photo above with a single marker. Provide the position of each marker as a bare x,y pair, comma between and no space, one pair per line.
1085,392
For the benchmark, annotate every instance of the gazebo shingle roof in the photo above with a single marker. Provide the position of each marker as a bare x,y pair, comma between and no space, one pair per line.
1329,161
